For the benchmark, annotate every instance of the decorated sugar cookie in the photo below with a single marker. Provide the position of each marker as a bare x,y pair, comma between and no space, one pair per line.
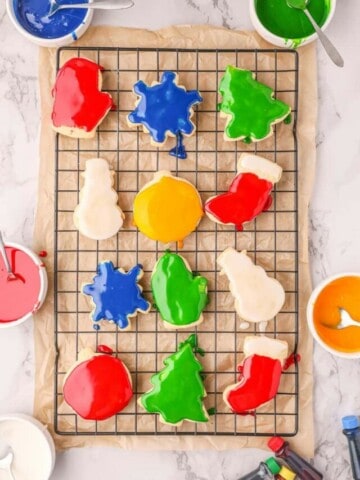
178,390
79,104
179,295
249,106
167,209
260,374
248,194
116,294
165,108
98,386
258,297
98,215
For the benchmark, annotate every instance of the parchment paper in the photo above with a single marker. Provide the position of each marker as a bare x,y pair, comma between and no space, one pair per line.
186,37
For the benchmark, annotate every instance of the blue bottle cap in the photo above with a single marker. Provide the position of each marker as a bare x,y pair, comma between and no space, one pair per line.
350,422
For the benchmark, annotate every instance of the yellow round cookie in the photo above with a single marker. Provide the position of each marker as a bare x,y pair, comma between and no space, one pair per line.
167,209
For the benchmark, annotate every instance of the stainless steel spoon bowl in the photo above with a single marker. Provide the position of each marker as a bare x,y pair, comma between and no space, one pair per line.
96,4
326,43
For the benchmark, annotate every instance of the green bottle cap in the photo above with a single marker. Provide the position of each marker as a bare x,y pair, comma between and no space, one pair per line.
273,465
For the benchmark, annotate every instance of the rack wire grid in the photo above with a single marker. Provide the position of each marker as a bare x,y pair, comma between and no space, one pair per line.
271,240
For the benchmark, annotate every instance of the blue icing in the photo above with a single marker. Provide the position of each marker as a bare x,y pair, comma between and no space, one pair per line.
179,150
116,294
33,16
164,107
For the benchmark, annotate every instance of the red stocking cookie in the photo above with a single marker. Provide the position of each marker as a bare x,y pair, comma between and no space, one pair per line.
260,374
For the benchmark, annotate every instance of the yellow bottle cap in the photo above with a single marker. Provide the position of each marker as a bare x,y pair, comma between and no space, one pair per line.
287,474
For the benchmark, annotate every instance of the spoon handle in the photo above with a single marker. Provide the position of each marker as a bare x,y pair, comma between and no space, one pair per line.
103,4
3,253
326,43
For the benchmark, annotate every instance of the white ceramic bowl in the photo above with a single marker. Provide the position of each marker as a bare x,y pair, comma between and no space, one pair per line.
50,42
310,319
280,41
43,284
37,441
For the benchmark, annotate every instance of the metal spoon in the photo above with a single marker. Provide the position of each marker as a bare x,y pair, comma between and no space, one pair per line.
346,320
11,274
102,4
328,46
6,462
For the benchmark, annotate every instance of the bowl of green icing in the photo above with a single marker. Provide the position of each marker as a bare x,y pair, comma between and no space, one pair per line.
288,27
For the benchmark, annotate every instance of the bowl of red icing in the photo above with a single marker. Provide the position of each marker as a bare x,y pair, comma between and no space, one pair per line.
22,296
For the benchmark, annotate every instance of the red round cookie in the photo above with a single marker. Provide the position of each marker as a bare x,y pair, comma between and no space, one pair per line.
98,388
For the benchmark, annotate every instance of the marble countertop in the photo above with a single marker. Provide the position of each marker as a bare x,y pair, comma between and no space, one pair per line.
334,236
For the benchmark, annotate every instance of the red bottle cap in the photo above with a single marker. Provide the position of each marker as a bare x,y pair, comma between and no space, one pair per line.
276,443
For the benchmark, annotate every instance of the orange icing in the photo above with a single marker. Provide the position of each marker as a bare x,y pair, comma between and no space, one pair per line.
340,293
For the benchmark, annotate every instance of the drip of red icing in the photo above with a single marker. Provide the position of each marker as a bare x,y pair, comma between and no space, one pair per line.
78,101
291,360
246,198
98,388
104,349
258,383
20,296
43,253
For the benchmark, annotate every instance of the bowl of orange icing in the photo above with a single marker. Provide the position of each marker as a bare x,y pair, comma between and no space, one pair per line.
333,314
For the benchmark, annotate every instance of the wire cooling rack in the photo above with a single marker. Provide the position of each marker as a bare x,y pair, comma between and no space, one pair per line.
271,240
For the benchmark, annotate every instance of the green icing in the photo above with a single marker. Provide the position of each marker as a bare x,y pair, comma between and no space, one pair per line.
179,295
250,105
178,390
290,23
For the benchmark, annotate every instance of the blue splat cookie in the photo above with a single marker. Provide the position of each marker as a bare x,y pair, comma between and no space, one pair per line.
164,109
116,295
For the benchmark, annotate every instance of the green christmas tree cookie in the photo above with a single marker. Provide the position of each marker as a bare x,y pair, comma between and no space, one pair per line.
178,390
179,295
249,106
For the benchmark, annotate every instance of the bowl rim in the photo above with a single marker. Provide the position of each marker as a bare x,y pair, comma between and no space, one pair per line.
310,319
276,39
51,42
20,417
43,284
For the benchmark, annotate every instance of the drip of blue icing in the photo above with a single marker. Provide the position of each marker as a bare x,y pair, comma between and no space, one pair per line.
179,150
33,15
164,107
116,294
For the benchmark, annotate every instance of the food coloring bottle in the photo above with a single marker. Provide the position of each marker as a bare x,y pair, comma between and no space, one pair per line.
286,474
265,471
299,465
351,430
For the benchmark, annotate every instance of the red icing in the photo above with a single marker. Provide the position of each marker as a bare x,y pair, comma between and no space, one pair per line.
43,254
78,102
98,388
291,360
247,197
258,384
104,349
20,296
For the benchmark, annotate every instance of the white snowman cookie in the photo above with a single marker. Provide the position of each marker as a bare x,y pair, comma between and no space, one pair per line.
258,297
98,215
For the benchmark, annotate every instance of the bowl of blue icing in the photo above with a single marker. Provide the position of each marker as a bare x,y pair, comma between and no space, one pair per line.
31,18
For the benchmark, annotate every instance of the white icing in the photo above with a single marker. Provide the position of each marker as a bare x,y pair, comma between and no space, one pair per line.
267,347
263,168
32,456
258,297
98,215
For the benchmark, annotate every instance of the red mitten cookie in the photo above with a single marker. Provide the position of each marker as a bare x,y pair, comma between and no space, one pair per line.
79,104
98,386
